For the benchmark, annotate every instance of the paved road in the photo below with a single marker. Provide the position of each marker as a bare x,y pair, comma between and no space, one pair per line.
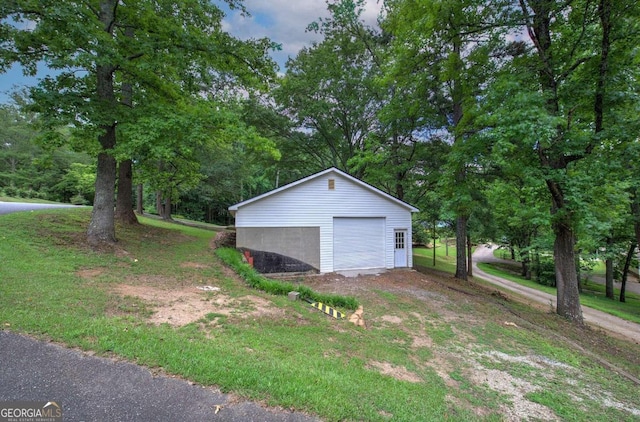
594,317
632,285
98,389
8,207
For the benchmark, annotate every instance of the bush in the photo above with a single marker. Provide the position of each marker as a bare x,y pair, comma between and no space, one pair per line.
233,258
546,273
78,199
11,191
421,235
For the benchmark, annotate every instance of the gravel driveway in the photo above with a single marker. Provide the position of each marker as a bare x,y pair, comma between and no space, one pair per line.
592,317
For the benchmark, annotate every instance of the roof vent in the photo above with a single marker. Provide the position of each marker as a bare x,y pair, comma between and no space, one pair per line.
332,184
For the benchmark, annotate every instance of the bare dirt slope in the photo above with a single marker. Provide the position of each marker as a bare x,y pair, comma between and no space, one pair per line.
471,313
471,336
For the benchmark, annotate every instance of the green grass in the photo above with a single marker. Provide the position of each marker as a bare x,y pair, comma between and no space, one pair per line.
423,257
283,362
26,200
296,358
593,294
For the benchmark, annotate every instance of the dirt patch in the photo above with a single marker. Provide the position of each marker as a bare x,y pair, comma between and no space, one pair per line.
398,372
89,273
515,390
196,265
421,341
391,318
388,280
181,306
438,311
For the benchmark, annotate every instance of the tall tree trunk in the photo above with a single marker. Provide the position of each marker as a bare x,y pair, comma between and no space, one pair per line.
554,159
159,206
635,212
526,267
124,201
609,271
461,247
102,225
536,264
625,272
457,96
469,257
434,243
139,200
568,296
166,209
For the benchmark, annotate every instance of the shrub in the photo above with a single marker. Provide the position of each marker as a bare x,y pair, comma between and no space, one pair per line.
546,272
79,199
233,259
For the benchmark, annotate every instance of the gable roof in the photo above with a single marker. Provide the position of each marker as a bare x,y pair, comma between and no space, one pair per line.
359,182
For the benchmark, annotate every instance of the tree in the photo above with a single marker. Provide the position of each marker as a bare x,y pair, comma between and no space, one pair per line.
174,143
17,149
87,43
554,100
519,211
124,200
442,53
329,90
30,169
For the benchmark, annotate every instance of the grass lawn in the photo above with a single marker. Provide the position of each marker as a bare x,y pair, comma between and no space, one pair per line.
592,295
26,200
434,349
445,257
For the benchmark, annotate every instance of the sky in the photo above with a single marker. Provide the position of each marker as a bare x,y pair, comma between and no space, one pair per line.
282,21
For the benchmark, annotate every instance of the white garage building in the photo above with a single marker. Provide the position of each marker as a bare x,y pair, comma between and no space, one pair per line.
330,221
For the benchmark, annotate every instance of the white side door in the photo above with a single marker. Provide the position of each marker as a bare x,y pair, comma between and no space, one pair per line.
400,249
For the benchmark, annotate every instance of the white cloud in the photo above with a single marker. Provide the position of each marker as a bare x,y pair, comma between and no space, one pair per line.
285,22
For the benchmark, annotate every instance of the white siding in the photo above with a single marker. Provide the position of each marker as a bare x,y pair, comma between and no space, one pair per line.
313,204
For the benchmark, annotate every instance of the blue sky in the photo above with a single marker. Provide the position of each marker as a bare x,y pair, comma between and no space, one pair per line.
283,21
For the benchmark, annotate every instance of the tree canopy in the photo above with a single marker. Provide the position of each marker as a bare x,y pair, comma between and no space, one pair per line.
160,50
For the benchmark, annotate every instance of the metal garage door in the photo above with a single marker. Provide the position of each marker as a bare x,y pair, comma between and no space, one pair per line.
358,243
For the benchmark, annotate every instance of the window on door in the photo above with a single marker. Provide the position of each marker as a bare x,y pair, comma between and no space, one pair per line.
399,240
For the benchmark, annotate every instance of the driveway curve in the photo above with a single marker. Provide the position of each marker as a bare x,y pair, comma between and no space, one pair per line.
593,317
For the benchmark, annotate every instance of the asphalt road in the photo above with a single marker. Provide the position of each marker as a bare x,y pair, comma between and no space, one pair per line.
8,207
592,317
96,389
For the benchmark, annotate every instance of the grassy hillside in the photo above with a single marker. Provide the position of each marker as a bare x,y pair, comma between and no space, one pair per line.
433,349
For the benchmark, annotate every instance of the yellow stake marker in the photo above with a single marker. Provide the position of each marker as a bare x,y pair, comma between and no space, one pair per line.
328,310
